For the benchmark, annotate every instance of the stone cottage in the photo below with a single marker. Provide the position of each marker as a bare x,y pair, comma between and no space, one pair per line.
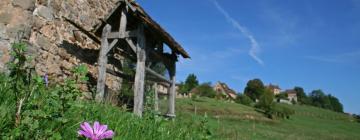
62,34
225,90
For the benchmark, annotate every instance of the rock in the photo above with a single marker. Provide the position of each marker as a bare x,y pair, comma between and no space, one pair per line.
5,17
43,43
78,37
17,31
4,54
66,65
3,31
24,4
44,12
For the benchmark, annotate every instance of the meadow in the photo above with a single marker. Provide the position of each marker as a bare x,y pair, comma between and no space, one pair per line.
235,121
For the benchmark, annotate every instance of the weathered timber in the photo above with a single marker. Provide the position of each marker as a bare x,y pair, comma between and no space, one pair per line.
126,34
157,75
156,97
120,74
172,92
131,44
100,87
112,44
140,72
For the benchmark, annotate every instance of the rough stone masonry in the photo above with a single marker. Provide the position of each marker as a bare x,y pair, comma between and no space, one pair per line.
56,45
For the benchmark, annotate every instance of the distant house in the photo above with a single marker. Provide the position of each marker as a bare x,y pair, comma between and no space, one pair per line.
223,89
291,95
275,89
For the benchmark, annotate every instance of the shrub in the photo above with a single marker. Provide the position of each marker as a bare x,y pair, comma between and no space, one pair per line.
244,99
282,111
204,90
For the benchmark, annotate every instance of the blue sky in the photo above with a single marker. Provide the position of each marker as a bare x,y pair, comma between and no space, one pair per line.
314,44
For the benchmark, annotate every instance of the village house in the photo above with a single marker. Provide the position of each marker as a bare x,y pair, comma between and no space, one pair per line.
224,90
291,95
275,89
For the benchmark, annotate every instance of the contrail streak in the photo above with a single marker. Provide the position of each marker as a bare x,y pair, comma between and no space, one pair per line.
255,48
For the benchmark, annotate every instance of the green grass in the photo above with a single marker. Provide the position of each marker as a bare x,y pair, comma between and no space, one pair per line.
235,121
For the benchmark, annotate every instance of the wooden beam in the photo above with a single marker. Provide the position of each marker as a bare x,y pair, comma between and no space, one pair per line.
130,6
131,44
113,43
157,75
100,87
126,34
140,73
172,92
120,74
156,97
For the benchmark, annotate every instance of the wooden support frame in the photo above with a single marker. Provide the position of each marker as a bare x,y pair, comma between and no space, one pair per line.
140,72
172,91
143,52
100,87
156,97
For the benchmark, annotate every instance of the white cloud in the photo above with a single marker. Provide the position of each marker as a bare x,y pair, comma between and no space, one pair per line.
255,48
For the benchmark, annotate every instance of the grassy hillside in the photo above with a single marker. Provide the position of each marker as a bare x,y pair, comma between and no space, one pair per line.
235,121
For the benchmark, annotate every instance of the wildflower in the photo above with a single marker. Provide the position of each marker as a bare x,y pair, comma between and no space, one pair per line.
46,80
97,132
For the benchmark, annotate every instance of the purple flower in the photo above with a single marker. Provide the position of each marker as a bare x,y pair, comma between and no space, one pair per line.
46,79
97,132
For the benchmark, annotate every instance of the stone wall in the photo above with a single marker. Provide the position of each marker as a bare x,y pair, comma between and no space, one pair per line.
56,45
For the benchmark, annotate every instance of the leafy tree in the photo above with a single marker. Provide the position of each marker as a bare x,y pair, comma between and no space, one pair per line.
320,99
282,96
190,83
266,103
205,90
254,89
301,95
335,104
244,99
317,98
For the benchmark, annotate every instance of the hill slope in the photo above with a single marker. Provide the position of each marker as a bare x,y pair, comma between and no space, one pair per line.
235,121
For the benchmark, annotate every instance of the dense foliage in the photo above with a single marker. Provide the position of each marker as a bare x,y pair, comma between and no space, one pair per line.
190,83
301,95
204,90
32,109
243,99
254,89
319,99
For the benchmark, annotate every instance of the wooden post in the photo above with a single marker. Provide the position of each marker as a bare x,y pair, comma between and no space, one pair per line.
123,23
140,72
156,97
172,92
100,87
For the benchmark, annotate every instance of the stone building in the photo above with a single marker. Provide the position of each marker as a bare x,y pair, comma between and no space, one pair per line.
62,34
225,90
291,95
275,89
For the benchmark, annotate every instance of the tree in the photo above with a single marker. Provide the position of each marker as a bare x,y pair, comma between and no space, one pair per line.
190,83
320,99
335,104
243,99
266,103
254,89
301,95
205,90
